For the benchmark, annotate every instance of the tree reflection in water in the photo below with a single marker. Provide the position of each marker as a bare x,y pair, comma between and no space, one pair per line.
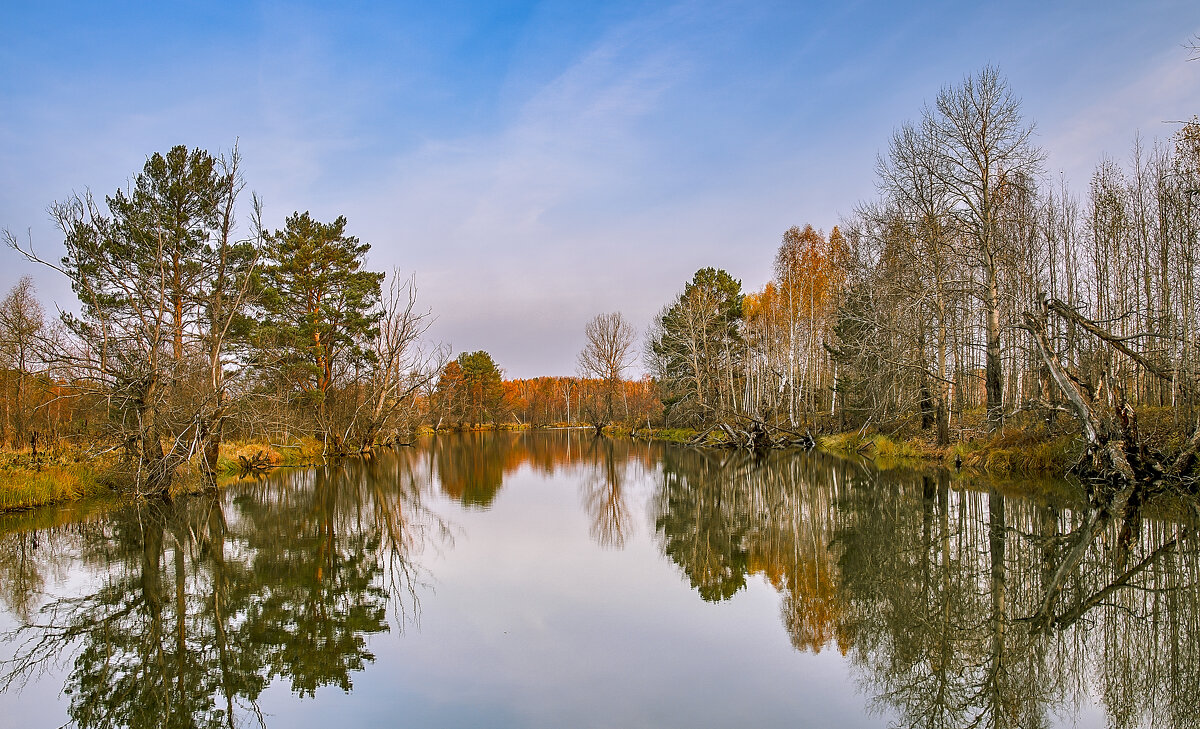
201,604
605,464
471,469
936,590
955,603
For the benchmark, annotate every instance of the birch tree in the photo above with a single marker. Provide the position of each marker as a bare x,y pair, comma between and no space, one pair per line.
22,321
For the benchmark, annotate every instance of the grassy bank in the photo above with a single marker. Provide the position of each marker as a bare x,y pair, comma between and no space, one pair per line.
67,473
1014,452
26,482
1017,451
666,435
236,455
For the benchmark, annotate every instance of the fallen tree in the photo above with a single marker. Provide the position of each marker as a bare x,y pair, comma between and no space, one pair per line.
1118,469
746,431
1116,456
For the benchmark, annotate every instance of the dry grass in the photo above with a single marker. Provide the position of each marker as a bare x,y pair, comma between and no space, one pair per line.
1030,450
1018,451
848,443
901,450
66,473
57,475
885,451
300,452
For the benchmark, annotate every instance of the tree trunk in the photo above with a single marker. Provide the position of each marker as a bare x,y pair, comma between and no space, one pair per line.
152,462
992,373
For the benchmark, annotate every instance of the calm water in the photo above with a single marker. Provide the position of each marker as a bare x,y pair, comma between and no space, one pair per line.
556,580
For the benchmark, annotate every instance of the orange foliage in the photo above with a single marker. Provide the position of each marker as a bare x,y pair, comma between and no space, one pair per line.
812,609
472,467
807,270
543,401
756,307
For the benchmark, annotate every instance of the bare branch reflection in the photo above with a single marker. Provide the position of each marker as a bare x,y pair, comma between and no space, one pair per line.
603,487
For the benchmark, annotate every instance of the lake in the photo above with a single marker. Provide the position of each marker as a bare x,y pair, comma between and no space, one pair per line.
555,579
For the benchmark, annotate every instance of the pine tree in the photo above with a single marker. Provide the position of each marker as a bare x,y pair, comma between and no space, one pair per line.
696,345
483,383
320,306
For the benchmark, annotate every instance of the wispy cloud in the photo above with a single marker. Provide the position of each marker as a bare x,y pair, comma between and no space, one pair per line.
513,222
1164,92
540,164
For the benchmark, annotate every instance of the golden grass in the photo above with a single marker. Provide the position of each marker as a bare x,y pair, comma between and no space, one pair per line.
849,443
1018,451
900,450
298,452
880,448
25,488
65,473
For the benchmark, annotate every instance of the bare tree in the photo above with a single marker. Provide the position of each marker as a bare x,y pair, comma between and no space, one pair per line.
567,385
923,244
984,154
400,367
21,322
228,268
607,353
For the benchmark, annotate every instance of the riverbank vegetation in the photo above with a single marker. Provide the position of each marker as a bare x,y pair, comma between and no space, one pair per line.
974,312
969,284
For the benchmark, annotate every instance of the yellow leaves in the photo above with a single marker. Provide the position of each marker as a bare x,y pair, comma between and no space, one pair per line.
760,305
807,272
810,273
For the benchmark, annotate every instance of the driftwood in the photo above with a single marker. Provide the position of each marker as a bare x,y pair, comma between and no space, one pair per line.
257,463
700,438
754,434
1115,451
1105,448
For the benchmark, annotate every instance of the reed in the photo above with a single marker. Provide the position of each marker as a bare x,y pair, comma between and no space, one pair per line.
885,447
849,443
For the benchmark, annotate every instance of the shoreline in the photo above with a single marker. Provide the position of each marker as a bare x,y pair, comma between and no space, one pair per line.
65,475
1014,453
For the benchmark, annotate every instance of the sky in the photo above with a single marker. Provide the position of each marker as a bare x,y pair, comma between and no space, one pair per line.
535,164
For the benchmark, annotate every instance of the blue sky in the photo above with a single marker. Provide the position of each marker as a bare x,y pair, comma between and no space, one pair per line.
537,163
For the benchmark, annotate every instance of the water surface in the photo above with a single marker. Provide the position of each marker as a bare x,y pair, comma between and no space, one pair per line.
554,579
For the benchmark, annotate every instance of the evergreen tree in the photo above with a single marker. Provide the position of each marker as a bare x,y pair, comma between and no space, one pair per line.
320,306
483,383
137,269
696,345
169,217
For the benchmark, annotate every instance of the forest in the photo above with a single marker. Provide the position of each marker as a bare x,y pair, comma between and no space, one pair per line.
973,296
